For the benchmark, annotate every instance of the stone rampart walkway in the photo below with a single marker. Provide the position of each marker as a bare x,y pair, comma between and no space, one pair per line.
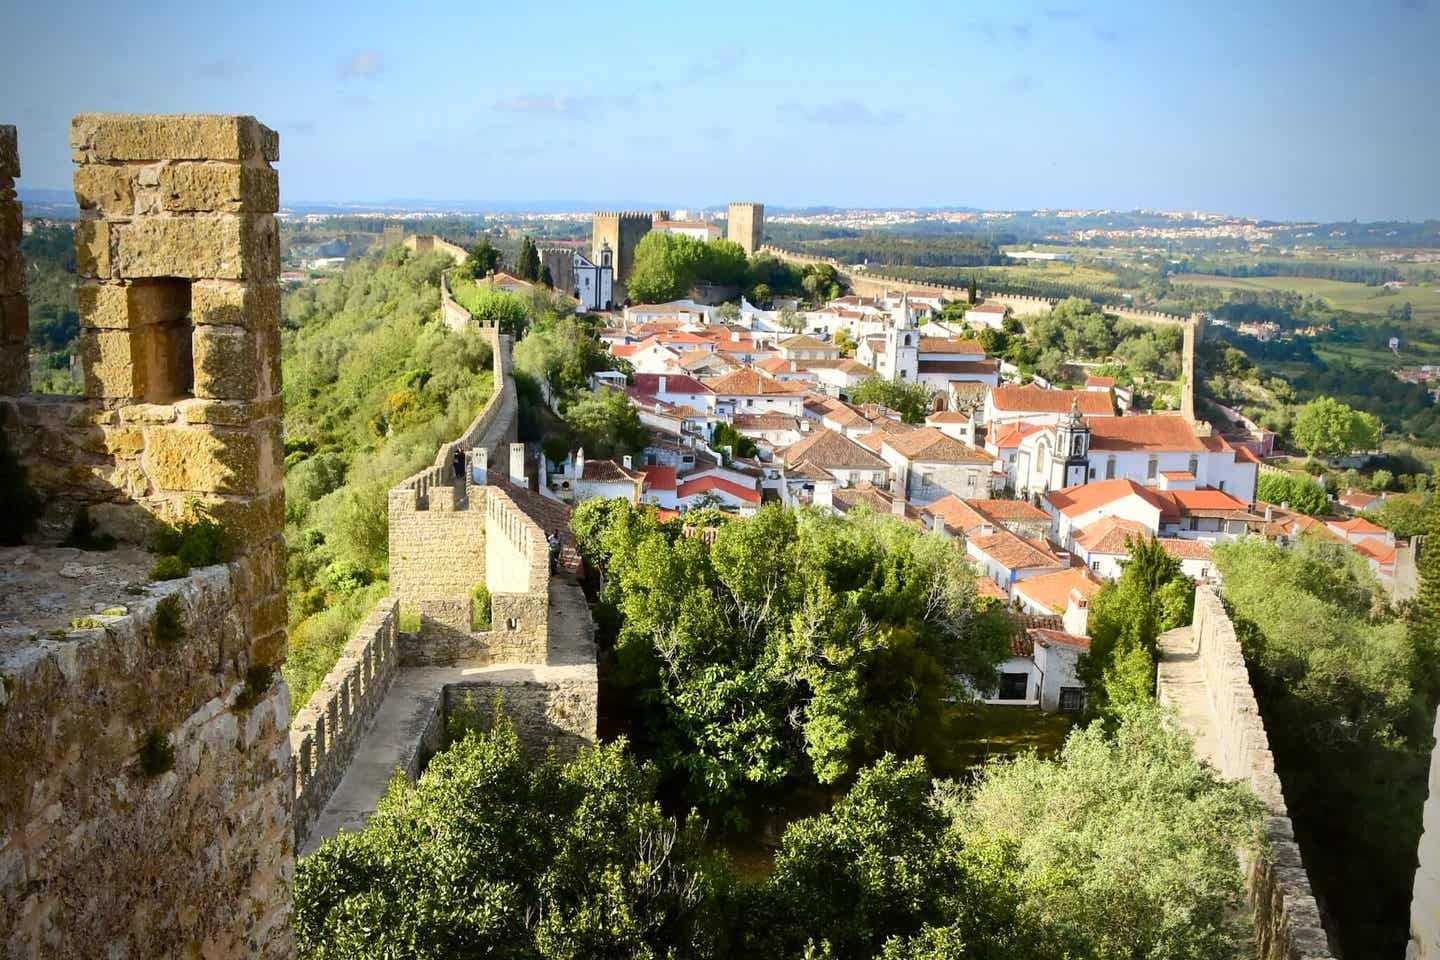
1182,678
409,725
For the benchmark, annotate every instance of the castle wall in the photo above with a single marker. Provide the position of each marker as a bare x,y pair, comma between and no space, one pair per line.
178,256
455,316
14,309
558,714
324,735
99,858
430,243
1425,906
1286,915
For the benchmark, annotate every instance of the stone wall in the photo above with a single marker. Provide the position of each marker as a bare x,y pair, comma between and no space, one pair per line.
455,316
558,714
495,427
623,231
14,310
1425,907
323,735
1287,918
99,858
177,253
429,243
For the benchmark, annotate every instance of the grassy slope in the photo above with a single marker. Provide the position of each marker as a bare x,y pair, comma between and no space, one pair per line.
373,385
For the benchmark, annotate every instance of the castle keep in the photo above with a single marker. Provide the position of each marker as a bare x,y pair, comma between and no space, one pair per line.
145,808
745,225
622,232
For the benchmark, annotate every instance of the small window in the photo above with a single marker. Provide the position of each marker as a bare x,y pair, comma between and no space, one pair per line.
1222,486
163,339
1195,466
512,623
1110,469
1072,699
1151,468
1094,564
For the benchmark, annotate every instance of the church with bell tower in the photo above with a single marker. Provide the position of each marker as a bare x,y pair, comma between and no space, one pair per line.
1070,460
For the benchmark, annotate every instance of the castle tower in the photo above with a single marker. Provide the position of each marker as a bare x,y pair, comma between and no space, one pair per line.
179,257
902,345
1071,464
658,216
14,309
745,225
147,807
623,232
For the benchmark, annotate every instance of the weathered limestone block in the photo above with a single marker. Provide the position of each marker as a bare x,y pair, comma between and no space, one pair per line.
229,413
227,365
254,305
218,187
108,189
106,357
9,152
14,318
233,247
203,460
92,249
104,306
129,136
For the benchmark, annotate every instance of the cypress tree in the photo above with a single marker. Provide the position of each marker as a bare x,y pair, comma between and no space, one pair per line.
1423,622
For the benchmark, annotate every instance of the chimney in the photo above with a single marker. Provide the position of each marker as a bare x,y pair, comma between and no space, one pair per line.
517,464
897,505
661,388
628,461
480,465
1077,615
1269,513
970,435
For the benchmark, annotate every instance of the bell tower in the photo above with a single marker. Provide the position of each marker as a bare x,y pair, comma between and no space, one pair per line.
1071,464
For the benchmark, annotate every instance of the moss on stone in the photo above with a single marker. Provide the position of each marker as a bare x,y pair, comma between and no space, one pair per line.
169,626
157,754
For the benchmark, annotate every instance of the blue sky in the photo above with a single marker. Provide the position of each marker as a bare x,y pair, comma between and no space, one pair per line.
1285,110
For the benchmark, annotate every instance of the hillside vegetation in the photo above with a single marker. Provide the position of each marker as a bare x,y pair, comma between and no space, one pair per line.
374,383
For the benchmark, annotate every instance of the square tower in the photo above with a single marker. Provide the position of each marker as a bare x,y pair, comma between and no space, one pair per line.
745,225
14,311
622,231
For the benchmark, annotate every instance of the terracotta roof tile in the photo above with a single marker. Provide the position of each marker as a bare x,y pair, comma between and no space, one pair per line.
1052,590
1015,552
1152,432
830,450
1038,400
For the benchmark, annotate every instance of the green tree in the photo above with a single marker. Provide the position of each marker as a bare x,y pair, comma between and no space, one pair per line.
527,266
911,399
795,646
727,436
1423,621
728,312
1126,619
1127,842
497,853
606,425
480,259
1325,427
972,292
493,307
790,319
1302,493
845,341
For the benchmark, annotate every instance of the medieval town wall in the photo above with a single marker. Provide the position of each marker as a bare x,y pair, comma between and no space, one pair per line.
623,231
1425,906
1286,915
112,844
324,735
430,243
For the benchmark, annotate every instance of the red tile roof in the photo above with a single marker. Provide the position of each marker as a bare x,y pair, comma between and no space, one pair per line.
1042,636
749,383
1038,400
649,384
1185,549
930,445
1356,525
1155,432
1010,434
950,345
1094,381
1108,535
1051,591
1079,500
830,450
1015,552
989,308
947,416
659,478
701,484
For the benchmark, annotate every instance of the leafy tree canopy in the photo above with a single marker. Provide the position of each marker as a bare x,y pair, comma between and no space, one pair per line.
910,399
1325,427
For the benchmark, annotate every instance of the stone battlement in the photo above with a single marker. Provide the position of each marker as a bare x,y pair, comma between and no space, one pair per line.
616,216
324,734
1203,675
145,721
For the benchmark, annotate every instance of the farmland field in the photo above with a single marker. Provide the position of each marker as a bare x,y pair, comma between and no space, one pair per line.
1355,297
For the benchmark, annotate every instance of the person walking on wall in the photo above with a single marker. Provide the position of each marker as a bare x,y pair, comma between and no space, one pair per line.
457,465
